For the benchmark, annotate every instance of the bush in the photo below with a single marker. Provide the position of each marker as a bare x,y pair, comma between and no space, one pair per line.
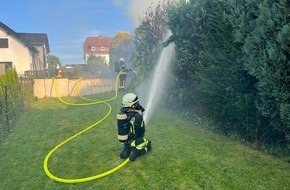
11,101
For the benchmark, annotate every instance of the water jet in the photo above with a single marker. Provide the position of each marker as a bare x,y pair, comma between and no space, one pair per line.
159,81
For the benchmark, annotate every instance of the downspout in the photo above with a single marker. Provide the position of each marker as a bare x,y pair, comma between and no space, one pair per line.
34,63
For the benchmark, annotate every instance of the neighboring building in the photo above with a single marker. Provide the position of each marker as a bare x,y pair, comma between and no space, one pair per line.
97,46
27,53
40,42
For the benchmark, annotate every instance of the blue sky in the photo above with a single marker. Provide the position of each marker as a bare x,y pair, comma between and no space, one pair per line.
68,22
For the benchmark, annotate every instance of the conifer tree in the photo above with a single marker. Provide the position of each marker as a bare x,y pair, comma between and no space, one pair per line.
263,30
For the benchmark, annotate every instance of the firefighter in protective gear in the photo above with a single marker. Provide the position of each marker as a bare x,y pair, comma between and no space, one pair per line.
123,74
131,128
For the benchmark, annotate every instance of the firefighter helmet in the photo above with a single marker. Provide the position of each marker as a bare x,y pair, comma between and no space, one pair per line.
129,100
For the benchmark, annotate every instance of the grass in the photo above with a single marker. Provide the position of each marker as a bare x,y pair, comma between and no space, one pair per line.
184,155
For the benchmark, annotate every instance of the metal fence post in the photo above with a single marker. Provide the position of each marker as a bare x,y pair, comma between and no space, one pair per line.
6,110
22,97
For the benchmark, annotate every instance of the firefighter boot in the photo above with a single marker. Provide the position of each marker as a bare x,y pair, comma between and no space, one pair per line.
125,151
133,154
149,146
136,153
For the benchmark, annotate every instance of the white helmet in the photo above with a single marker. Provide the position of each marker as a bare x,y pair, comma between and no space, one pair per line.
122,59
129,100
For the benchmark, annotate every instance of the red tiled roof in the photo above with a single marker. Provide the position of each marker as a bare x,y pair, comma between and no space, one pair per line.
97,42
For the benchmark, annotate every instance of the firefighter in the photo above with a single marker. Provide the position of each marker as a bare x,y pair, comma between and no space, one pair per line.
123,74
131,128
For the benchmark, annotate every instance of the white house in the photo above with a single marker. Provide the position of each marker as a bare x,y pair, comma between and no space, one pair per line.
40,42
26,52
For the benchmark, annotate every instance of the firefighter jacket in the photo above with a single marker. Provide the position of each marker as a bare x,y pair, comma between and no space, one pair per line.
130,124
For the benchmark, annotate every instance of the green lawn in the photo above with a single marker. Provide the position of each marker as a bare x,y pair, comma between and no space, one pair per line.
184,155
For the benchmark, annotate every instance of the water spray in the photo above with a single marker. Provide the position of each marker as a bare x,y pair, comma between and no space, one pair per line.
159,80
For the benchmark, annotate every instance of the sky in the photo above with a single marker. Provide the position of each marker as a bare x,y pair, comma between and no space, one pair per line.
67,23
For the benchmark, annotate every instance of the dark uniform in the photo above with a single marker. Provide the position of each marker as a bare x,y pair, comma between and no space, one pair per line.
122,70
122,77
131,131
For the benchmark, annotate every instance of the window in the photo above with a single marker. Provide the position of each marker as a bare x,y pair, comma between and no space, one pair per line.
4,66
103,48
3,43
93,48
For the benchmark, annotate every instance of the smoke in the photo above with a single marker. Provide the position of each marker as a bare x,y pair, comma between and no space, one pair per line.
136,8
152,91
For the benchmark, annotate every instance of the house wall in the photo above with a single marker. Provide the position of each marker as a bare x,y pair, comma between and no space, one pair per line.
17,53
40,60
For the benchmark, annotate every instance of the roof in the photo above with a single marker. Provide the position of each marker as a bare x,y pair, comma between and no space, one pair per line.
16,35
36,39
97,42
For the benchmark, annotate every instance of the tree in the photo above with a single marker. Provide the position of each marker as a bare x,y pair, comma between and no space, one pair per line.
233,65
121,47
54,62
96,67
76,73
210,81
263,30
148,37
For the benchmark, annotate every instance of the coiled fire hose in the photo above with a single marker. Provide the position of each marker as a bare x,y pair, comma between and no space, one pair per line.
92,102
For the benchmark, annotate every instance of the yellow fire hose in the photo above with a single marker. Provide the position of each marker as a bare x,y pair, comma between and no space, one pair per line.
89,178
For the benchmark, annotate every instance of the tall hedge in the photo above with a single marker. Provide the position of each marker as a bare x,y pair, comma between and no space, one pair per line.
263,30
232,65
